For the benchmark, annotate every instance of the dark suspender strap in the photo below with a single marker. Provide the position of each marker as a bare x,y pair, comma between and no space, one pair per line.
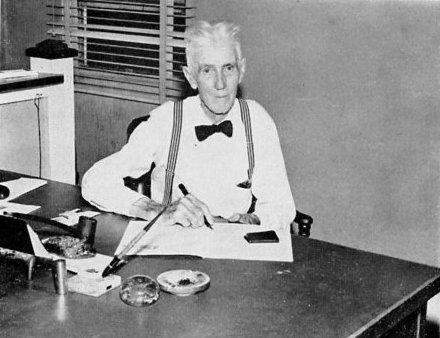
246,118
172,154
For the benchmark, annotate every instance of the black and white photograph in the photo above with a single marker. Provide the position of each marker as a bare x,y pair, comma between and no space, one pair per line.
220,168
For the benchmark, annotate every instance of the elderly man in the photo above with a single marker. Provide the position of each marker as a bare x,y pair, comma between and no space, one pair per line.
224,150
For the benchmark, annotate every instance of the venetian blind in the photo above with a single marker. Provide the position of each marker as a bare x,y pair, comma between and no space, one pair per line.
129,49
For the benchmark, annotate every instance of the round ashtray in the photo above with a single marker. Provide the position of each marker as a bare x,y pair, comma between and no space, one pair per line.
183,282
139,290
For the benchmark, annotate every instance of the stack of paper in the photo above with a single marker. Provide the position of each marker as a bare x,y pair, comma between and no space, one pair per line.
225,241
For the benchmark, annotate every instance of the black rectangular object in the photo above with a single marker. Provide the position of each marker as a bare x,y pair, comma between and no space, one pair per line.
14,235
262,237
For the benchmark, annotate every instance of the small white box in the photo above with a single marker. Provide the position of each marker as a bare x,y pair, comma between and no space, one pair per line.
93,284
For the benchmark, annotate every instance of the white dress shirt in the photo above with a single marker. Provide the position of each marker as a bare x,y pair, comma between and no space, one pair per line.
210,169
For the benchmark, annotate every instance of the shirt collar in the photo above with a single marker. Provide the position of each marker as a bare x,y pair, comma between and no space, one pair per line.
199,117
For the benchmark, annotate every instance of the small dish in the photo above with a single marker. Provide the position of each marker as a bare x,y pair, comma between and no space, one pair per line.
183,282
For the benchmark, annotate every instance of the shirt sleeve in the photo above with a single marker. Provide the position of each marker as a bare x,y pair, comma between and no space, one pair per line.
103,184
270,184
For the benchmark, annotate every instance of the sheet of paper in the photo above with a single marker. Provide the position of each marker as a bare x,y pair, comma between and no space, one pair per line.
95,264
16,207
225,241
39,249
71,217
21,186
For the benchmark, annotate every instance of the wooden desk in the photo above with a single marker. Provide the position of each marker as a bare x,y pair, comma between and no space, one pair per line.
328,291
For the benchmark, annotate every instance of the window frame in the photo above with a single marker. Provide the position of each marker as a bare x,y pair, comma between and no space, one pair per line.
68,21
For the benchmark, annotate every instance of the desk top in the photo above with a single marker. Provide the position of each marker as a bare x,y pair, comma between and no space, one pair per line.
20,83
328,291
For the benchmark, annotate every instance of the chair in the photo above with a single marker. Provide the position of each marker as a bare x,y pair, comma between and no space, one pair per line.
143,186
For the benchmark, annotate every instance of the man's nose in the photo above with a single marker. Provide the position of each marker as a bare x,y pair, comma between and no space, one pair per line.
220,81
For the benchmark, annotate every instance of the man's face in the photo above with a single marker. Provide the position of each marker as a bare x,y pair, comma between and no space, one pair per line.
217,75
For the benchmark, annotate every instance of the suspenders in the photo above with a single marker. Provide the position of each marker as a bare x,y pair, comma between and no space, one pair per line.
175,140
246,119
172,154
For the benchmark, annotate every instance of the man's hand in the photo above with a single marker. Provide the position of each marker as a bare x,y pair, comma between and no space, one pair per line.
186,211
189,211
244,218
145,208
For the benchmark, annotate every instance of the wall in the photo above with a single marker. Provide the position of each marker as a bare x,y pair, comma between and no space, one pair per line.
100,126
22,25
19,150
353,88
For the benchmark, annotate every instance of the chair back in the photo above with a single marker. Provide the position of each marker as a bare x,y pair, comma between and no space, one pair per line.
134,123
142,184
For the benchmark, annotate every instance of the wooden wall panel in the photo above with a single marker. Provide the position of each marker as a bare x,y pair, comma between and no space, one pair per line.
23,24
100,126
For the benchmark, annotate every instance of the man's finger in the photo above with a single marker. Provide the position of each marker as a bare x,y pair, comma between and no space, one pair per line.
181,215
220,219
245,219
203,207
235,218
192,211
184,223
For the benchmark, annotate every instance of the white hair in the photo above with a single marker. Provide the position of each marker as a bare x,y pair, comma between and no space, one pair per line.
203,33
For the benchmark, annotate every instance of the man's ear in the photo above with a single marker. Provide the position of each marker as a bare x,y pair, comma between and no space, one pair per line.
241,68
189,77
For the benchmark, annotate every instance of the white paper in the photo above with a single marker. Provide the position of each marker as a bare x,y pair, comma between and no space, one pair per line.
95,264
225,241
21,186
16,207
71,217
93,284
39,249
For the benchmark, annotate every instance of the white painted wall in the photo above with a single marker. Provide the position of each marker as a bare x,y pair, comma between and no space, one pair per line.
19,150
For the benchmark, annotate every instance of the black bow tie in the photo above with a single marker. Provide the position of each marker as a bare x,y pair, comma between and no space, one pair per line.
203,132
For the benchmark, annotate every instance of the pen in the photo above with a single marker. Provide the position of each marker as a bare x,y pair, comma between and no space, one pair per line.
185,192
117,259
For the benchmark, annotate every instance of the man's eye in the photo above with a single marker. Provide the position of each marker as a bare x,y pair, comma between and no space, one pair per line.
207,70
229,68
